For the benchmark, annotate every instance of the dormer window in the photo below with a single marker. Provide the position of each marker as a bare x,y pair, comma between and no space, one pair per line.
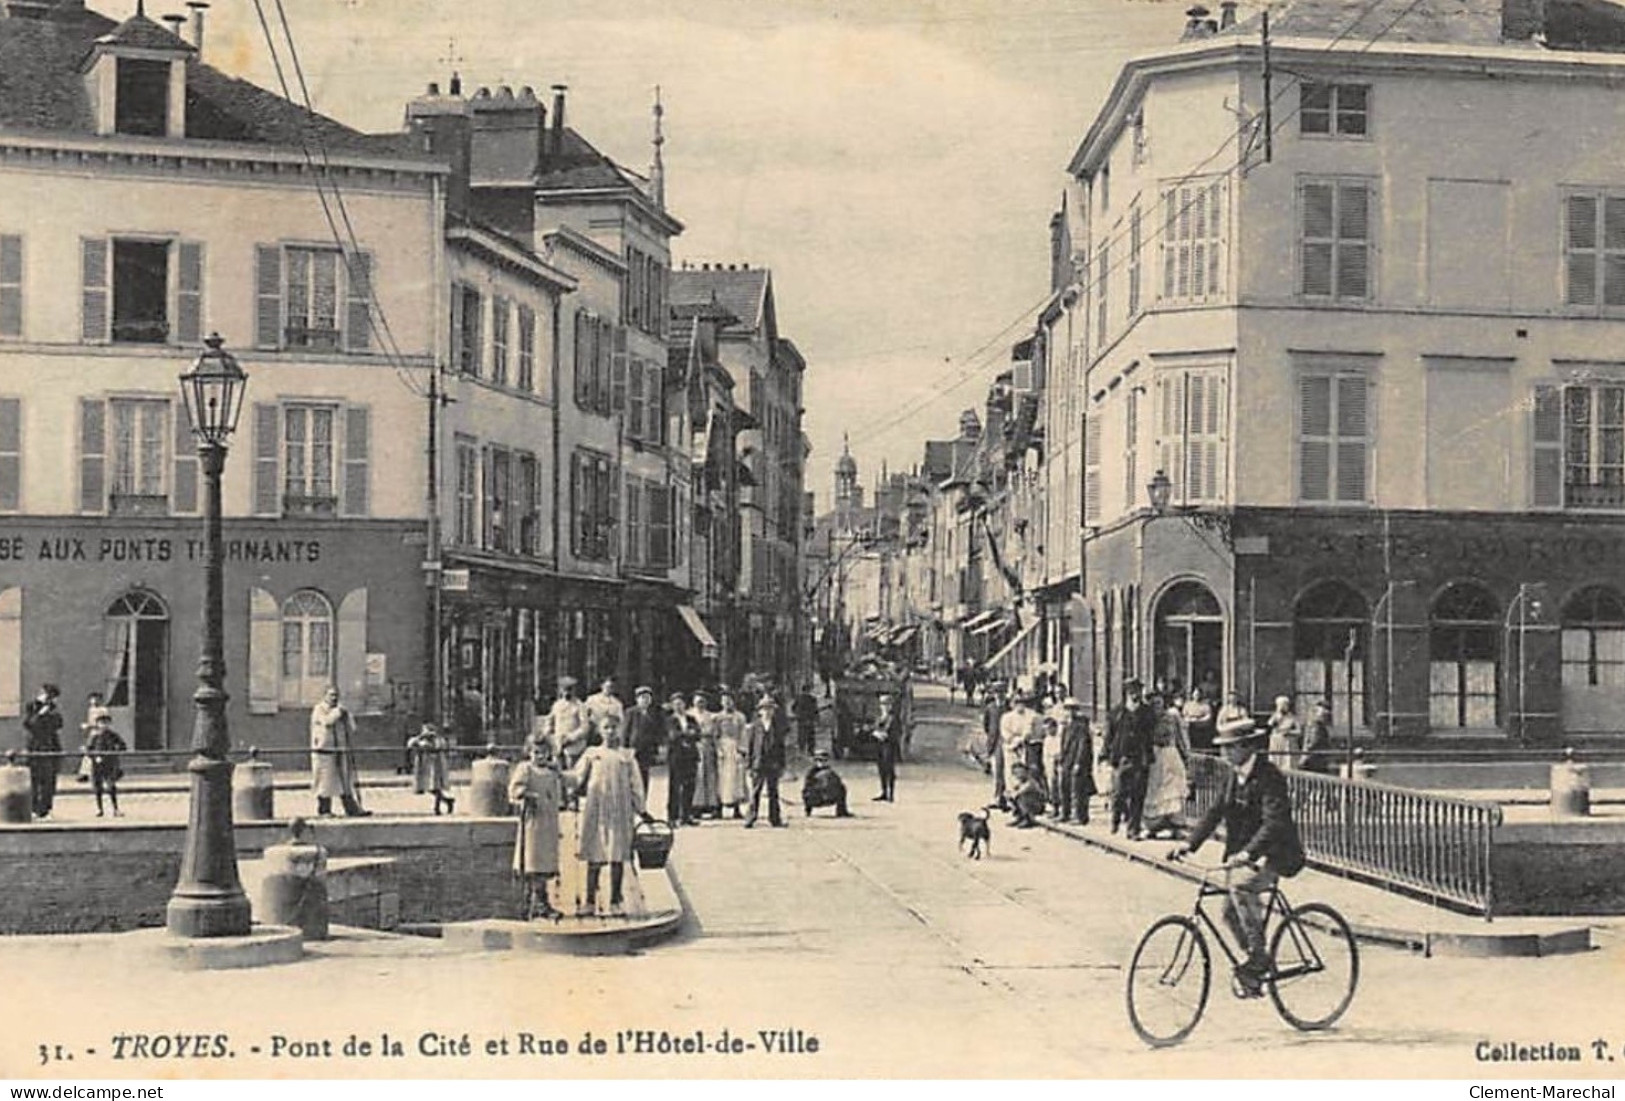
141,98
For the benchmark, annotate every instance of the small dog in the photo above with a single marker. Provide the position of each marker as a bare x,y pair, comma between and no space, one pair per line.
974,828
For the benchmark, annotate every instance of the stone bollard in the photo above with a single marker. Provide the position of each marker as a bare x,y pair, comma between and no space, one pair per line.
1570,787
253,797
294,887
16,792
488,789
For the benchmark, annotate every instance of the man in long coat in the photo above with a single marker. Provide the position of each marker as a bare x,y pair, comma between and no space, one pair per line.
43,721
1076,765
645,731
888,734
765,754
1129,747
682,762
332,756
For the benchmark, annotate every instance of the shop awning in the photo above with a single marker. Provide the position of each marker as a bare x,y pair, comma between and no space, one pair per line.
979,619
904,635
993,624
697,627
1011,645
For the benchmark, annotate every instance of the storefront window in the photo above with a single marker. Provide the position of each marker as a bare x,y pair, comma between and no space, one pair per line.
307,648
1189,630
1593,659
1325,621
1464,672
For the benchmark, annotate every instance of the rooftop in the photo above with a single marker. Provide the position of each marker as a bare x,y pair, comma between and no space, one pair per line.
741,290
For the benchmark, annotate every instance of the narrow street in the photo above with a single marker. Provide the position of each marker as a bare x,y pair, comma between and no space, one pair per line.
872,935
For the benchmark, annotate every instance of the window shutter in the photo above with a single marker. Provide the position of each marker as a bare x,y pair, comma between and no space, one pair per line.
93,268
92,456
1170,240
11,439
1580,251
1351,438
583,359
1546,449
604,354
578,506
611,481
351,656
660,503
264,652
358,303
185,495
11,652
456,349
1314,432
1131,447
267,441
1613,251
357,449
1353,233
634,547
189,293
268,296
11,285
1216,237
1316,200
617,372
1091,469
488,499
636,417
654,383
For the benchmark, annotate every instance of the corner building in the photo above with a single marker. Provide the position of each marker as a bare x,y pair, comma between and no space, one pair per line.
1378,367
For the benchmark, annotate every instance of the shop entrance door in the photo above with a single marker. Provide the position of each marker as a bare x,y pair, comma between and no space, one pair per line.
1189,636
136,652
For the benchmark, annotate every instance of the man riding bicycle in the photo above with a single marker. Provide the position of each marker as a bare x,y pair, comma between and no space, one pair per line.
1260,844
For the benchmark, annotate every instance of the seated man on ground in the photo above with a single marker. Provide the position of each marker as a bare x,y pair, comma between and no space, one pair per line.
823,787
1028,799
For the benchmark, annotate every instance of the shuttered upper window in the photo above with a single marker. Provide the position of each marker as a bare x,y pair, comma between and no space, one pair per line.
11,454
1193,239
312,459
1190,434
1091,469
1578,446
1594,250
11,285
314,298
1333,438
136,457
140,291
1335,239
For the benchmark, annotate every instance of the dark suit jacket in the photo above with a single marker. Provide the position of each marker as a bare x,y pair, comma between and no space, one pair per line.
645,731
764,748
1129,741
1257,817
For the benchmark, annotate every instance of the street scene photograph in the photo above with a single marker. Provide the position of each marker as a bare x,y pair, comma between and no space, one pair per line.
823,539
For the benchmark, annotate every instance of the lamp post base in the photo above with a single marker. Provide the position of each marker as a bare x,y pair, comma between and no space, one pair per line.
209,900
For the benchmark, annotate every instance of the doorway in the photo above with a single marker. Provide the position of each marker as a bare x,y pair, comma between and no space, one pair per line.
136,652
1189,641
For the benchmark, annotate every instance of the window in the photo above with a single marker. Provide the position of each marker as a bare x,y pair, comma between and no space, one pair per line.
1335,110
11,285
307,648
140,431
498,499
1131,448
126,448
11,454
468,310
595,352
636,532
1578,446
636,407
1332,438
595,505
661,528
1325,621
1102,270
528,504
312,459
617,372
1593,659
1464,674
1190,434
499,340
141,104
1091,469
1193,239
1594,249
126,292
312,298
1134,261
527,349
468,478
1334,243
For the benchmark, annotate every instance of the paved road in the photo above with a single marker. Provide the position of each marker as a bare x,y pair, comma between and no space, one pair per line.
872,934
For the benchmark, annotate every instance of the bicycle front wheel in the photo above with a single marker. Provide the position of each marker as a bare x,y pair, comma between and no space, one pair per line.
1168,981
1317,967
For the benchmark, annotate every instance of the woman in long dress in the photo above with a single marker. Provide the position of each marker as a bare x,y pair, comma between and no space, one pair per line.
1167,781
537,789
730,728
707,789
1286,734
611,805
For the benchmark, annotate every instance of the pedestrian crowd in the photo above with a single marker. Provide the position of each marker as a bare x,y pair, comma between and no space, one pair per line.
1047,757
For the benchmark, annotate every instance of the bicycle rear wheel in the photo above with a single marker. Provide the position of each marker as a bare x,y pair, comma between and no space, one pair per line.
1317,967
1168,981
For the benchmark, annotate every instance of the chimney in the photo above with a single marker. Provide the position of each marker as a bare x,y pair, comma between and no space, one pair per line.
1523,20
177,25
1197,24
1227,14
456,84
558,117
446,127
198,8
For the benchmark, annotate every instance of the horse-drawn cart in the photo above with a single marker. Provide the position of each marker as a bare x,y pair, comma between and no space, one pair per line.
857,706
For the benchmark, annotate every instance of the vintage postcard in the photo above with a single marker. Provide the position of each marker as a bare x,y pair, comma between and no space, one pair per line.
813,540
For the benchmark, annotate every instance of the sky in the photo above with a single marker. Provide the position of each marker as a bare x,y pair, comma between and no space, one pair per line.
894,162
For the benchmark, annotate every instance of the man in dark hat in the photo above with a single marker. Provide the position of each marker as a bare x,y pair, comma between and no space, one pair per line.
1076,765
888,734
1260,844
682,761
644,732
764,754
43,722
1129,749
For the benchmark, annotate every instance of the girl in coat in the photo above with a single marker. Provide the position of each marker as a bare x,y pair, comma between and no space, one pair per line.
536,789
611,806
431,766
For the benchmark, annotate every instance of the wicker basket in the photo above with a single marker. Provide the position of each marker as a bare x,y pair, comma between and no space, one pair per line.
652,842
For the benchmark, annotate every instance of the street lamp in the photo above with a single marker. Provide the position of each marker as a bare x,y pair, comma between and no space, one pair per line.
209,901
1159,489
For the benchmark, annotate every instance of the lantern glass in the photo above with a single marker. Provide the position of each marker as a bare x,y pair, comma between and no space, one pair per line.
1159,489
213,392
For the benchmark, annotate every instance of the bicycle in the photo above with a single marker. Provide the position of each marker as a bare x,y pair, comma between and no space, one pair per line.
1314,966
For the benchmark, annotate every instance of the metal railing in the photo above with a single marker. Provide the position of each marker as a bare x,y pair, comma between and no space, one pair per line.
1436,846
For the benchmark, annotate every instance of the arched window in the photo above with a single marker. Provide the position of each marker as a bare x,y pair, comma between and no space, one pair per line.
1188,634
307,648
1326,618
1464,654
1593,659
135,650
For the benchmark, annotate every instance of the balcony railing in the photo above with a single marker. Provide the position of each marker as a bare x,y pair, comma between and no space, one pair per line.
1594,496
120,503
1413,841
304,504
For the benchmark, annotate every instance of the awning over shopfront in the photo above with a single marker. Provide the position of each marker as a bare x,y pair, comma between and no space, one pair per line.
697,627
904,635
980,619
998,621
1005,650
